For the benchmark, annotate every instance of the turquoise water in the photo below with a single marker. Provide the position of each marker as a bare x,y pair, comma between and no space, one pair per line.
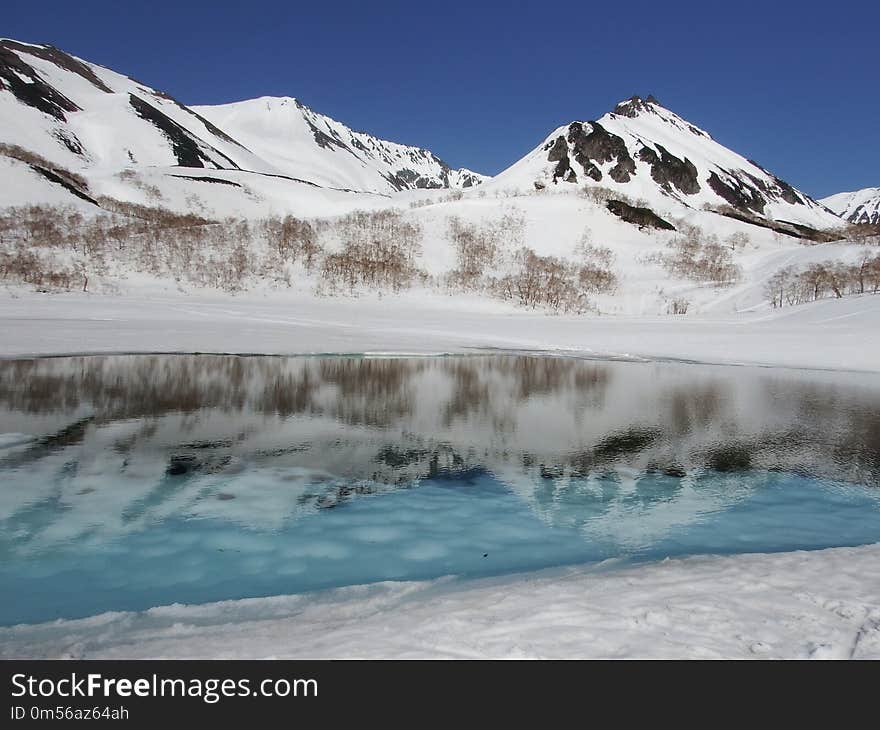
114,495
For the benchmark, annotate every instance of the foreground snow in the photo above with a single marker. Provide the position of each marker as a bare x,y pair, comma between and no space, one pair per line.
823,604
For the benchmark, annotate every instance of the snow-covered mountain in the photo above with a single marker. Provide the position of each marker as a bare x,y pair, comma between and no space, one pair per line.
74,132
68,128
860,206
303,143
649,153
80,115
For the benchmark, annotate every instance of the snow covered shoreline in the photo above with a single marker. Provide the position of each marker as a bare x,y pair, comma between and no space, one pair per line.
828,334
823,604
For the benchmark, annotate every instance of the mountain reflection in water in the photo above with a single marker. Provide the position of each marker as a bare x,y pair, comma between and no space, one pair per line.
524,453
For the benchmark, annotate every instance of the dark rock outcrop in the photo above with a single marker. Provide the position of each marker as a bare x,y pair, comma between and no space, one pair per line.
59,179
669,171
59,58
325,140
641,217
187,150
737,194
558,150
635,104
559,154
788,193
28,87
206,179
795,230
591,145
600,146
864,215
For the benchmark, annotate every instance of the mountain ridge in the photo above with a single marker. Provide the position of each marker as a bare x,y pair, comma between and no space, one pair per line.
94,124
860,207
91,120
278,126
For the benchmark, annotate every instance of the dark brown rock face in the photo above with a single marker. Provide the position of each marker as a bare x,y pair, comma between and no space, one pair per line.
738,195
186,148
589,148
641,217
60,59
28,87
635,104
669,171
559,150
788,193
559,154
600,146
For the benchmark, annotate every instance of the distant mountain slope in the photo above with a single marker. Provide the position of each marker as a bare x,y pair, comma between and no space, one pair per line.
860,206
80,115
648,152
61,116
301,142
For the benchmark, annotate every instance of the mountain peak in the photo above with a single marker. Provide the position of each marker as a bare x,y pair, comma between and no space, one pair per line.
858,206
633,106
645,151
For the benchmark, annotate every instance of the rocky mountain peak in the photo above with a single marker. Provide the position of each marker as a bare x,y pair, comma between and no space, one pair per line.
633,106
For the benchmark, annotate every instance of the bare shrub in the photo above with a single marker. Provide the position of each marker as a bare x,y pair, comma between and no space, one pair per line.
480,246
292,239
379,250
41,269
595,273
476,249
151,240
737,241
865,233
866,274
699,256
791,285
543,282
598,194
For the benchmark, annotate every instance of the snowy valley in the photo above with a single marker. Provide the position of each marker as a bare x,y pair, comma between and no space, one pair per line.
131,222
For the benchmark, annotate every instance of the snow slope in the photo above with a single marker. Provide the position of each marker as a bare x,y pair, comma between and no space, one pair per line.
305,144
133,142
860,206
648,152
817,605
83,116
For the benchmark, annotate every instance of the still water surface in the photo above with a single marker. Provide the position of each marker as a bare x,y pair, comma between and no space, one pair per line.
134,481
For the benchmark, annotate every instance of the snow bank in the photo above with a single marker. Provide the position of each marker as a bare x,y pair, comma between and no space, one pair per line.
823,604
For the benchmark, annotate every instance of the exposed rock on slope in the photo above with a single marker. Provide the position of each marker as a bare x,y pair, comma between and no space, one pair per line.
860,207
647,152
304,143
641,217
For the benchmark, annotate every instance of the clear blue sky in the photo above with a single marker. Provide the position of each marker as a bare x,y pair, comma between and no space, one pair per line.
788,84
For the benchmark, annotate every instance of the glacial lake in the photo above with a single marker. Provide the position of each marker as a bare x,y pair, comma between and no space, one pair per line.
135,481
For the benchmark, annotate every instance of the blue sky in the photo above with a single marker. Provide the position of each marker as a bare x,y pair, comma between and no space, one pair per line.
789,85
